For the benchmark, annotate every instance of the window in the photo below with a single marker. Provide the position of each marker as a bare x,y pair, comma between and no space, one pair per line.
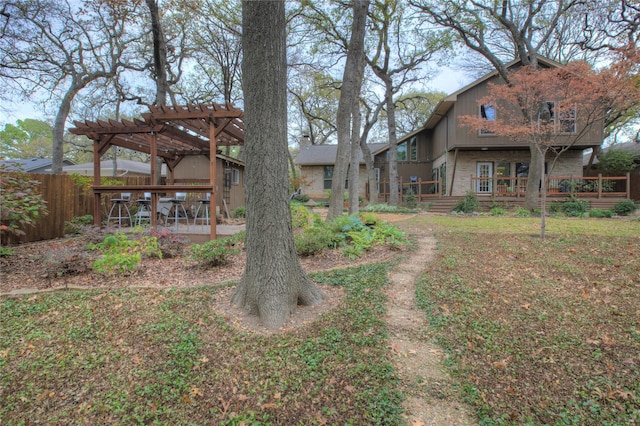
565,120
328,176
488,112
503,169
235,177
401,154
522,169
413,149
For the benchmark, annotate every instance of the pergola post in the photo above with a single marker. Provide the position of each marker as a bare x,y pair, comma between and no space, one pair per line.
96,182
153,151
212,177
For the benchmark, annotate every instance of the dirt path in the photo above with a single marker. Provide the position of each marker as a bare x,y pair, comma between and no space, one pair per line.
429,399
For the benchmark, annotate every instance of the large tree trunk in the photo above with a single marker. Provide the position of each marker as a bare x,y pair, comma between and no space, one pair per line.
349,92
273,282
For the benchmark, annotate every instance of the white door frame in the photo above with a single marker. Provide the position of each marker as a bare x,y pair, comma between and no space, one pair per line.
484,173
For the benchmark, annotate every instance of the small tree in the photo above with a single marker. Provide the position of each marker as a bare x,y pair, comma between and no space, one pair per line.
553,109
20,203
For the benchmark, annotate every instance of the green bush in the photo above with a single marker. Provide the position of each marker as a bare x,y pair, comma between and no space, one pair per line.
120,254
5,251
239,212
410,199
76,225
497,211
575,208
170,244
616,162
385,208
600,213
21,203
522,212
301,217
625,207
302,198
313,240
468,204
214,252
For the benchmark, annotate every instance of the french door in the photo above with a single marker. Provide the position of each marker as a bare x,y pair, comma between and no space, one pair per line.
485,177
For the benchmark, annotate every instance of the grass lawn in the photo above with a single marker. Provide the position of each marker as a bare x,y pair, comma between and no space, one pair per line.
539,331
163,357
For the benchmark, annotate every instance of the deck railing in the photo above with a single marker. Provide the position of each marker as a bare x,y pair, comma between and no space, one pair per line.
422,189
579,186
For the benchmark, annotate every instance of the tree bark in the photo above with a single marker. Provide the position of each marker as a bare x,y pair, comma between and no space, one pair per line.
534,179
273,282
159,54
349,92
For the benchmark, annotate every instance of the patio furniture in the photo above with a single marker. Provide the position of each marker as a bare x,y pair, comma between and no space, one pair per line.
121,206
203,204
178,209
144,210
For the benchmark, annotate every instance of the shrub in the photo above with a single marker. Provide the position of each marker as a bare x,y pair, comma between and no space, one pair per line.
302,198
616,162
600,213
497,211
625,207
468,204
385,208
239,212
5,251
522,212
170,244
301,217
76,225
313,240
123,255
575,208
411,200
214,252
21,204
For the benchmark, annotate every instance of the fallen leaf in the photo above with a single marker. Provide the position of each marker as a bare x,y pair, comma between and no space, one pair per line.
195,391
269,405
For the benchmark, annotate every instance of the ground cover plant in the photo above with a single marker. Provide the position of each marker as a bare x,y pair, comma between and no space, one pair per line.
539,331
145,356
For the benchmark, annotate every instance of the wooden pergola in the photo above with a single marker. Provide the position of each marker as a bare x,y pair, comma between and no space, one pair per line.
171,133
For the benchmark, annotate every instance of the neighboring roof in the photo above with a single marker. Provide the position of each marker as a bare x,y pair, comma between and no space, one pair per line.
127,167
123,168
30,164
325,155
445,105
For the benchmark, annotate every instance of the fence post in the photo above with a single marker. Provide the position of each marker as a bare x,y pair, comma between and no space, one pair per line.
628,186
599,185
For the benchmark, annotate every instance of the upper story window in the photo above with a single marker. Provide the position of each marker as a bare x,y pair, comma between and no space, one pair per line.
564,121
487,112
407,150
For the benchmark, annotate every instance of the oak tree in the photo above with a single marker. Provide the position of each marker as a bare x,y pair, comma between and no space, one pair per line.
273,283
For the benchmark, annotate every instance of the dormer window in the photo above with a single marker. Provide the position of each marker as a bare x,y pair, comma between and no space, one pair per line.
487,112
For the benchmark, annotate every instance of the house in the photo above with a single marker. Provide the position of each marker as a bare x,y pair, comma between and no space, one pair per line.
443,150
316,163
33,165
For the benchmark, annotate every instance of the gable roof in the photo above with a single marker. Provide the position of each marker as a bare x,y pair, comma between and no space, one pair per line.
447,103
31,164
325,155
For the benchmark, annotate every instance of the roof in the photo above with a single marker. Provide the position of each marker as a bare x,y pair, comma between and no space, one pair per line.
123,168
171,131
128,167
325,155
30,164
447,103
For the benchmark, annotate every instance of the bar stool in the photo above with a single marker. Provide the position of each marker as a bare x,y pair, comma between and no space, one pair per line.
122,205
177,204
144,209
203,203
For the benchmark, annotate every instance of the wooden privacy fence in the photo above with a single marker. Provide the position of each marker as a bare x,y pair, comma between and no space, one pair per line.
66,198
